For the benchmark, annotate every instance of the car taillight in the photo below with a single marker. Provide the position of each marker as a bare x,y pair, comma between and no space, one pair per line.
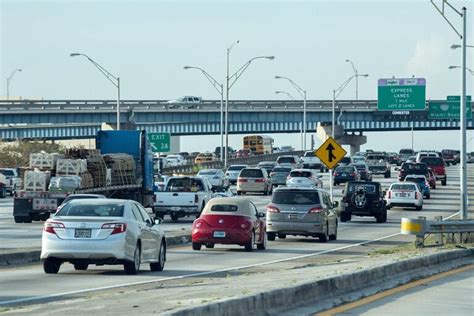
416,195
389,194
272,209
272,174
260,180
241,180
196,198
244,225
50,226
117,228
198,223
315,210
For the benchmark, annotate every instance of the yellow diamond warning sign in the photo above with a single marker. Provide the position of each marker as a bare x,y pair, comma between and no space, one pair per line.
330,153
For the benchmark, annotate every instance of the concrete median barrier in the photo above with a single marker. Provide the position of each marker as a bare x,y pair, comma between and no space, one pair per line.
330,292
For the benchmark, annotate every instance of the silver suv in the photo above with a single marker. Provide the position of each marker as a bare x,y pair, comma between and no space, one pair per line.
301,211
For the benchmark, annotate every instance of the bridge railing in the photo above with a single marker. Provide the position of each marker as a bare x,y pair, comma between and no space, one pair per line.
251,160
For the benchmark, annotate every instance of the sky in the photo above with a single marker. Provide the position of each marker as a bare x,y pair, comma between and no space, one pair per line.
147,43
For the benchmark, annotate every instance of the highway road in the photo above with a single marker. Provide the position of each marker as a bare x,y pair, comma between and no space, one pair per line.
26,285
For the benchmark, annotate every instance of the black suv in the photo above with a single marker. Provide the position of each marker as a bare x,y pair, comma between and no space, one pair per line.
363,199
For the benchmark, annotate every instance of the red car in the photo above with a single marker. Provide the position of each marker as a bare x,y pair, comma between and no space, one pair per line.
438,166
230,221
431,179
243,153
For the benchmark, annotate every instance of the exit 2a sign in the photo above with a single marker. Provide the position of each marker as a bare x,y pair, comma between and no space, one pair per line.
160,142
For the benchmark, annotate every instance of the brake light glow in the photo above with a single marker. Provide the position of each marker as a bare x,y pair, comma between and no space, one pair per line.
389,194
272,209
241,180
50,226
117,228
315,210
260,180
243,225
416,195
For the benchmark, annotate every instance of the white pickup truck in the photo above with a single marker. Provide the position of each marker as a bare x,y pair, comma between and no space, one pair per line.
13,180
183,196
310,161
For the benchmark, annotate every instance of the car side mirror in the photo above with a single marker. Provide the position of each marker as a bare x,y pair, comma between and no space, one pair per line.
261,214
158,220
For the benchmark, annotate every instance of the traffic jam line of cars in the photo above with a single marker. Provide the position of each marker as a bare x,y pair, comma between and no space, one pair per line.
91,229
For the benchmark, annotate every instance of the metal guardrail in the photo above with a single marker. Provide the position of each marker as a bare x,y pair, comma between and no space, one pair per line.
421,227
251,160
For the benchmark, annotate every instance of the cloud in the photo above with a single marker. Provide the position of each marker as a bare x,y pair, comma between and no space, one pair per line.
429,57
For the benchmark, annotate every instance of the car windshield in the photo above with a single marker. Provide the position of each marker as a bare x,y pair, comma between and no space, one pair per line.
295,197
410,187
281,169
368,188
98,210
7,172
224,208
309,154
235,168
345,169
286,160
184,185
414,167
251,173
207,172
301,174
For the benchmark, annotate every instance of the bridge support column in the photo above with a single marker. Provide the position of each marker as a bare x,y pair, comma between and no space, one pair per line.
353,140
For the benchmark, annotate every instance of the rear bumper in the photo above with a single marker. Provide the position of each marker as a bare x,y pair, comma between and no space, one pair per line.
184,210
404,203
305,229
232,236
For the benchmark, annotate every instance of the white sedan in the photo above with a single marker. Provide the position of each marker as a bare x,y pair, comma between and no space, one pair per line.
304,178
404,194
103,231
216,177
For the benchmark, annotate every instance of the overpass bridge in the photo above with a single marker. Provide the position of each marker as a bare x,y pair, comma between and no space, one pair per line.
75,119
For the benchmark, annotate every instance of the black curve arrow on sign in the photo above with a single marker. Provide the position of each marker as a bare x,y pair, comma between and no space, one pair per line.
331,156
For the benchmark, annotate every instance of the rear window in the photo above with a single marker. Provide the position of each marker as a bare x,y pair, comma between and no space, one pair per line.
281,169
404,187
295,197
433,161
346,160
7,172
414,167
406,152
286,160
413,179
207,172
309,154
345,169
236,168
302,174
184,185
98,210
360,167
378,157
251,173
224,208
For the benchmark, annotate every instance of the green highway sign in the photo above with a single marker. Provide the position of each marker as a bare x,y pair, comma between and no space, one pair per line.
449,109
160,142
401,94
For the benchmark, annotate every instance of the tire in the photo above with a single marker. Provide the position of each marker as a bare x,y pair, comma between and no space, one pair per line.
51,266
250,245
379,218
323,237
346,217
160,265
443,182
263,245
44,216
428,196
27,219
271,236
19,219
385,216
334,236
282,236
174,217
419,208
81,266
132,267
3,193
197,246
239,193
209,246
160,215
387,175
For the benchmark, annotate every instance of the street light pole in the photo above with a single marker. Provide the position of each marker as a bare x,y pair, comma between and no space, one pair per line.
114,80
357,78
220,88
9,79
335,94
302,93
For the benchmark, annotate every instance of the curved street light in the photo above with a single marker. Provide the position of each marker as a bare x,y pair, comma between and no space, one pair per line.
114,80
220,88
356,73
9,79
302,93
467,68
230,81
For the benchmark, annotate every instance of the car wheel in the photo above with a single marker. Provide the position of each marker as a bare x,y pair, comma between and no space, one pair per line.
428,196
384,216
3,193
132,267
379,217
19,219
239,193
443,182
51,265
160,265
281,236
44,216
263,245
81,266
334,236
271,236
27,219
250,245
210,246
419,208
197,246
174,217
324,236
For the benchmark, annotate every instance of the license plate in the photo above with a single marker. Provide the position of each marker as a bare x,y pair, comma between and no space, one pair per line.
344,174
175,208
219,234
293,216
402,195
82,233
299,181
44,204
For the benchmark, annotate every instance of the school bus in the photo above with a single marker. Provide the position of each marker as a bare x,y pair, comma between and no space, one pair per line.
258,144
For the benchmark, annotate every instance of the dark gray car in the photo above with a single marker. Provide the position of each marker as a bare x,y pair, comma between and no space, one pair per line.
301,211
279,175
